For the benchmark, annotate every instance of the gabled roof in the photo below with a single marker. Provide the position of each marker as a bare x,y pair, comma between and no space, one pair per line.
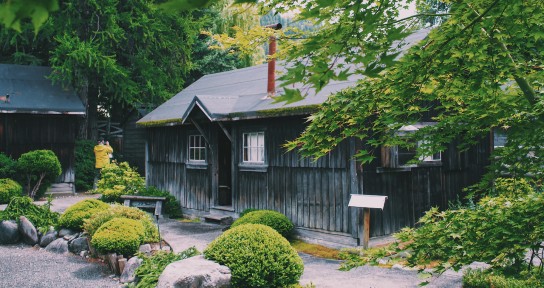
241,94
30,91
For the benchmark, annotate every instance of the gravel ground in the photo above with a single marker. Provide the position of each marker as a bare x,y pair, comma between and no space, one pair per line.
22,266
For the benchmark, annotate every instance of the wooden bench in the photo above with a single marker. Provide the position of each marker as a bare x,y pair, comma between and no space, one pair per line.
144,202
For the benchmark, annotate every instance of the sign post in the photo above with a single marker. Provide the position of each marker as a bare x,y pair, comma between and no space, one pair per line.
366,202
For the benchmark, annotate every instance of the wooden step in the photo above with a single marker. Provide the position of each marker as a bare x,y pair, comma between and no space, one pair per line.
219,219
60,190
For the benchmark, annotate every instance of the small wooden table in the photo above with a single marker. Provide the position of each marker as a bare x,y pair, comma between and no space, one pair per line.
144,202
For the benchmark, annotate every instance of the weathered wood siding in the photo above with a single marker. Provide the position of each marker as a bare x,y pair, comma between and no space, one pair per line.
134,139
313,195
167,169
21,133
411,193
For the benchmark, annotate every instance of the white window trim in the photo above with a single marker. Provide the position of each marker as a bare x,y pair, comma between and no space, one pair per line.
257,149
201,148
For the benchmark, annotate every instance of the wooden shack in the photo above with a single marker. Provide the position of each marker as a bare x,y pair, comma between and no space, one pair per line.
217,147
37,114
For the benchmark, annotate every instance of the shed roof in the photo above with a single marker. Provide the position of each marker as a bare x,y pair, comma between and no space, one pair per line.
241,94
30,91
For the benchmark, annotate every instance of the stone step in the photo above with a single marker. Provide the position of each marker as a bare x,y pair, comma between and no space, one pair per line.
59,194
60,190
219,219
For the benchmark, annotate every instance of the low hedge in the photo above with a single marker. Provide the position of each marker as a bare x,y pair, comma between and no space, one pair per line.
8,190
257,256
119,235
76,214
485,279
273,219
171,205
151,234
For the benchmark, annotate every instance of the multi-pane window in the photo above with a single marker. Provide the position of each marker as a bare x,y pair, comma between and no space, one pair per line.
197,148
253,147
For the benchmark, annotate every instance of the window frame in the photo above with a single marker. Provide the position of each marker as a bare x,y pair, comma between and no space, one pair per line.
201,148
254,150
253,166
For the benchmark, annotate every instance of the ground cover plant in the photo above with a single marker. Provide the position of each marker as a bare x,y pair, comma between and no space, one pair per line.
257,256
119,179
485,279
8,166
273,219
9,189
315,249
171,205
40,216
152,266
75,215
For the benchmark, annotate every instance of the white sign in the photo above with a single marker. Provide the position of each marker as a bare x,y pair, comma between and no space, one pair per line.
367,201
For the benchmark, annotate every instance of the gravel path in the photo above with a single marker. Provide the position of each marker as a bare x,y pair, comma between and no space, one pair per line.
23,266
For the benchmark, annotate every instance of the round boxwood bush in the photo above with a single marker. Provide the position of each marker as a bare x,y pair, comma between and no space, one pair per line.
74,216
257,256
39,169
119,235
151,234
273,219
8,190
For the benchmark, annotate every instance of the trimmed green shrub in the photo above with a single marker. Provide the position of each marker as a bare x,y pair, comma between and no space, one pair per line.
486,279
119,235
74,216
41,216
92,224
40,168
273,219
8,190
248,210
171,205
152,267
257,256
84,165
8,166
117,180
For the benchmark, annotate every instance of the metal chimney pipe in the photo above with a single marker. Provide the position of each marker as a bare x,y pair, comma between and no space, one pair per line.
271,87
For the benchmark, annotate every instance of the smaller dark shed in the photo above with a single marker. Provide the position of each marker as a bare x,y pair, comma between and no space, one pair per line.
37,114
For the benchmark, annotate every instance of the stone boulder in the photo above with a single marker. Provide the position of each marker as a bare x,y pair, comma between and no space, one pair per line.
9,232
65,231
77,245
49,237
28,231
195,272
59,246
129,272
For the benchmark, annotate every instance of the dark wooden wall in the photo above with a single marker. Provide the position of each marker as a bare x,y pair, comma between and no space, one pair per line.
133,148
21,133
411,192
312,194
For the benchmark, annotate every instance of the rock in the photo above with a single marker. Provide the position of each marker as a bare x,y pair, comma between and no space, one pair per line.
383,261
65,231
78,245
48,238
70,238
28,231
59,246
128,274
146,249
398,267
84,254
9,232
195,272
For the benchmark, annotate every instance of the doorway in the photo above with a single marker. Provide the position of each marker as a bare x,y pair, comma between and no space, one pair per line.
224,193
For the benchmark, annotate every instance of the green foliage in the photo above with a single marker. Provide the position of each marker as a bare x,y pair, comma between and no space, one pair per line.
14,12
41,216
498,230
486,279
8,166
92,224
119,235
84,165
356,257
76,214
171,206
273,219
39,167
8,190
119,180
149,272
248,210
257,256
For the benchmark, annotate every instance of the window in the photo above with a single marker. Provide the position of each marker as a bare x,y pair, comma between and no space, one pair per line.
197,148
253,147
398,157
499,138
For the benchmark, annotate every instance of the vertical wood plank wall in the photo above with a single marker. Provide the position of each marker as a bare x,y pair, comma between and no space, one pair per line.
21,133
